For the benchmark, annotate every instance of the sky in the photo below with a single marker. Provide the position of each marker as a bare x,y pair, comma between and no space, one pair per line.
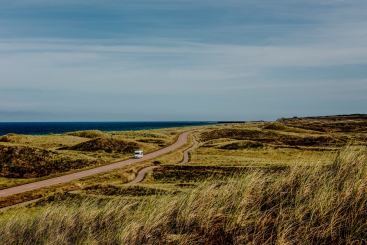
181,60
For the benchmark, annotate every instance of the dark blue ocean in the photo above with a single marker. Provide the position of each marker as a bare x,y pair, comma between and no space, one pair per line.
38,128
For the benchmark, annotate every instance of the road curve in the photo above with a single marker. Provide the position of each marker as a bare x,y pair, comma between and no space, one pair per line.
186,153
142,172
141,175
182,139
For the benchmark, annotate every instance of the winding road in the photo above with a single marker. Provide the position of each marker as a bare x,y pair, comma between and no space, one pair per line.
142,172
186,153
182,139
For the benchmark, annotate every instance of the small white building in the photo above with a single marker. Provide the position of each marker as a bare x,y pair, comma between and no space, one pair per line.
138,154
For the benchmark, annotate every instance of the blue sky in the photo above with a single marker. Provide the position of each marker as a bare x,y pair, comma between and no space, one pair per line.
181,60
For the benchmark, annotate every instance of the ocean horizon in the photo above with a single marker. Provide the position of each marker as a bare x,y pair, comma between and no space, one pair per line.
42,128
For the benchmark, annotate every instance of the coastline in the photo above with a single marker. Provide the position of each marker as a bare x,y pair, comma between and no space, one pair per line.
44,128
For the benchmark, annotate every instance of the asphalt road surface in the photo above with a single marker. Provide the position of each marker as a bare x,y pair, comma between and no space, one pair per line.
182,139
142,172
186,153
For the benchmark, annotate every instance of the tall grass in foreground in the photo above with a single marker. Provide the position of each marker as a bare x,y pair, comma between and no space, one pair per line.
299,206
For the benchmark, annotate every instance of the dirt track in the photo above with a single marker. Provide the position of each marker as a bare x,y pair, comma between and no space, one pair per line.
182,139
186,153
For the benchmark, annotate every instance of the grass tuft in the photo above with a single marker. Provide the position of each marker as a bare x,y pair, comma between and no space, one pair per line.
31,162
298,206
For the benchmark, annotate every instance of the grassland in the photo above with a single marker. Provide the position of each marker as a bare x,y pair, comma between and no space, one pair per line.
119,176
27,158
266,144
295,181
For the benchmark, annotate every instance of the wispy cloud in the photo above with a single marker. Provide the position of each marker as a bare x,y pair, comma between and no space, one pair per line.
102,55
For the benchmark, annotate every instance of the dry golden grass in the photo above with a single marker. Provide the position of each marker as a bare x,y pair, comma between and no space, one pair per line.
311,194
347,123
28,158
267,144
116,177
90,134
258,156
49,142
281,127
313,205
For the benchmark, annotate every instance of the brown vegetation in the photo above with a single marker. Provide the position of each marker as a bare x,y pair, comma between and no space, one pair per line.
343,123
111,190
299,206
30,162
228,144
187,173
255,137
116,177
239,134
243,144
246,184
281,127
154,141
313,141
105,144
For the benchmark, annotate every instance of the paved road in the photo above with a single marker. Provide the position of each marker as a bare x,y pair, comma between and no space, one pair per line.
182,139
142,172
186,153
141,175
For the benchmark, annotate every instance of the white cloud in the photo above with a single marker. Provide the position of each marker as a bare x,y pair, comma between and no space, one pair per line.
148,63
69,65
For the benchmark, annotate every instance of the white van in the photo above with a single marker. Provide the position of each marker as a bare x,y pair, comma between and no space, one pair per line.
138,154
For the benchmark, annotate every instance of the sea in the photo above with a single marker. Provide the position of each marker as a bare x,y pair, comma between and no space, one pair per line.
41,128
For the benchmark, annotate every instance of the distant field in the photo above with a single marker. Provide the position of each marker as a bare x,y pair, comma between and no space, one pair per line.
266,144
296,181
26,158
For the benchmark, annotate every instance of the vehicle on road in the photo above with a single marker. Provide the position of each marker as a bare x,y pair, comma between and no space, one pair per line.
138,154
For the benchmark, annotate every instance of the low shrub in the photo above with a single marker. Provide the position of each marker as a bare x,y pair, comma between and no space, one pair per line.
5,138
154,141
111,190
108,145
239,134
243,144
30,162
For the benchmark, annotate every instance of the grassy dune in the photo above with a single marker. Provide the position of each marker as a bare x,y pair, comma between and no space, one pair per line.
299,205
118,176
294,181
28,158
276,143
